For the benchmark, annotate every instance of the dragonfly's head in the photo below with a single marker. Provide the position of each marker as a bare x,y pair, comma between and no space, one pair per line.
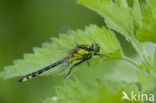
95,48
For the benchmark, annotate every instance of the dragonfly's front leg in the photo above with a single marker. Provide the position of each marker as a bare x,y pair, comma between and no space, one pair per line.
88,63
102,55
72,68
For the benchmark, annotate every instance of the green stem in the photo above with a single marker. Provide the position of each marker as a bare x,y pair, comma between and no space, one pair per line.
141,49
131,61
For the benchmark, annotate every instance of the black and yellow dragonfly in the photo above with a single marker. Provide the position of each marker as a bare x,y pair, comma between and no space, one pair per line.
80,52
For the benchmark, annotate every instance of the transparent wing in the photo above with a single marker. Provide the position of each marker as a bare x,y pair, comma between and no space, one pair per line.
61,69
56,71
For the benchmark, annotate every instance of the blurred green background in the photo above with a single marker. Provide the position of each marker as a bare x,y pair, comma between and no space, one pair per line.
28,23
25,24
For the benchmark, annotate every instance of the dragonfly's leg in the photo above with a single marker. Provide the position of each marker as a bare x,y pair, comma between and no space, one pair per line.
72,68
88,63
101,55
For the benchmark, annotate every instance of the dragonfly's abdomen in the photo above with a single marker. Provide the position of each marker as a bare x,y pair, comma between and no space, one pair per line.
34,74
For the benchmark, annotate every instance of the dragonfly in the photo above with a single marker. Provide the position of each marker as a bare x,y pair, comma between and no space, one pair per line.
80,53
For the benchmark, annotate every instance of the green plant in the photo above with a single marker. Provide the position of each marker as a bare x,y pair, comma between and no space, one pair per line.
136,23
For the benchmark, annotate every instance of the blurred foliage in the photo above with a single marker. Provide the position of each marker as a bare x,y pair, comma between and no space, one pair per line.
26,24
99,92
147,32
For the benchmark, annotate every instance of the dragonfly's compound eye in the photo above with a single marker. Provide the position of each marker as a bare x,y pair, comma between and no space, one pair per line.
95,47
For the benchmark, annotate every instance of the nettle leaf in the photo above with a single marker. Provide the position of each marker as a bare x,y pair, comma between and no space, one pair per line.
123,86
137,14
92,92
118,15
147,32
155,60
150,55
146,81
60,47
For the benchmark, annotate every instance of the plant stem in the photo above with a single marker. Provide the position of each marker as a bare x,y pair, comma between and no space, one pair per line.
131,61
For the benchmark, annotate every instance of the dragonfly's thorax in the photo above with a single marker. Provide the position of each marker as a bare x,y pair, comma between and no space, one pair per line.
83,52
80,54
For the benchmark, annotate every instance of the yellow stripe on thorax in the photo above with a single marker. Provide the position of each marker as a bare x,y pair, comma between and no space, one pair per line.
82,52
79,55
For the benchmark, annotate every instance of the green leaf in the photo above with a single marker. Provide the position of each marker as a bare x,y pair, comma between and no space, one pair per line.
149,53
92,92
137,14
146,81
147,32
118,15
60,47
155,60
